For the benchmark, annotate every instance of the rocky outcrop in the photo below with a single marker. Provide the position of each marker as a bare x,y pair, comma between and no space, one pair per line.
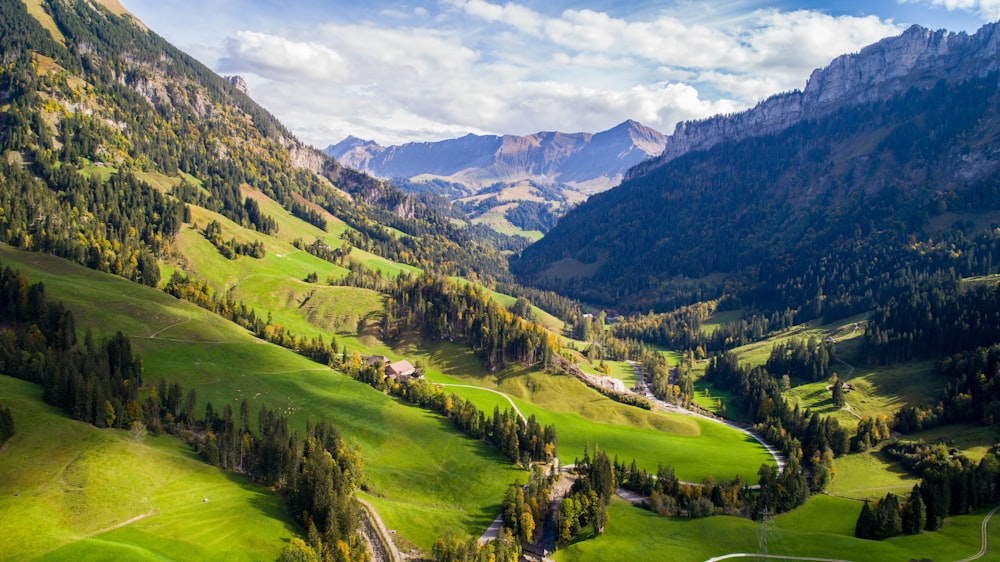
584,159
239,83
919,57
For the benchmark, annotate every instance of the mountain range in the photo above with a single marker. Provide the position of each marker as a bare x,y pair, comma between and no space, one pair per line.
582,160
512,184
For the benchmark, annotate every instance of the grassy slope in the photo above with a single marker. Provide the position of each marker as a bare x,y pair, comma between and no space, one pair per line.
584,418
425,476
65,486
824,527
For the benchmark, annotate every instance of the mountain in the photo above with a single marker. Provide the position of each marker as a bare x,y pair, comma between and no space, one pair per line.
810,202
578,159
512,184
917,58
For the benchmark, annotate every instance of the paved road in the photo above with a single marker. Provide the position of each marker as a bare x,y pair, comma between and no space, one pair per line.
775,454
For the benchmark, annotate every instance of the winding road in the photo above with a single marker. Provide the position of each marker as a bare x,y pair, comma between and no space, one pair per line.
778,459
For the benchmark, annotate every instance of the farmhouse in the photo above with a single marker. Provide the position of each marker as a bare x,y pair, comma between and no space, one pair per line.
374,360
400,370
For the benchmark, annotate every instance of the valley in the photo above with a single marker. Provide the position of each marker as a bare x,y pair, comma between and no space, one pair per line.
198,316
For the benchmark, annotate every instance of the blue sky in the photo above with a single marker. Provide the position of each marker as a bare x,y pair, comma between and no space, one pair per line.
429,70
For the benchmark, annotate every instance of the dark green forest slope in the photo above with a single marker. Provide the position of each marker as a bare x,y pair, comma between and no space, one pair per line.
825,219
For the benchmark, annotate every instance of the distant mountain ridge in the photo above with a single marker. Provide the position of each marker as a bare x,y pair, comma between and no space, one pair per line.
584,160
918,57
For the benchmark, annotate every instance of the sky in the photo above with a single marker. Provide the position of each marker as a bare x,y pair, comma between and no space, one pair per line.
397,72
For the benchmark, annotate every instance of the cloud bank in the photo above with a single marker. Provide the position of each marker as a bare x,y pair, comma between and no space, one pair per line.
477,66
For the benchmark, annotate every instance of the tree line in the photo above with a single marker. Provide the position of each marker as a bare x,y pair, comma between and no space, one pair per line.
938,317
232,249
447,310
759,398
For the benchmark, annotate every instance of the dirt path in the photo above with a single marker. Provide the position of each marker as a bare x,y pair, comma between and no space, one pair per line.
123,523
982,550
509,399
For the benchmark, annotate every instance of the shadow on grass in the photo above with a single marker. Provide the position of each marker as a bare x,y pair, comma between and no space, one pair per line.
270,504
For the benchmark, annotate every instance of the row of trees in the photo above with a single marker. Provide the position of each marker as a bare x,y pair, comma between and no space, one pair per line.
758,395
448,310
951,484
100,384
522,441
232,249
803,359
888,517
526,507
670,497
586,504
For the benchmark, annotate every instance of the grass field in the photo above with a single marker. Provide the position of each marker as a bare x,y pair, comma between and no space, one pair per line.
971,439
584,418
66,487
824,527
870,475
424,477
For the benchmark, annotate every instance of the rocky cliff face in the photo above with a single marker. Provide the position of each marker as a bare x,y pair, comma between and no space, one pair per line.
582,159
919,57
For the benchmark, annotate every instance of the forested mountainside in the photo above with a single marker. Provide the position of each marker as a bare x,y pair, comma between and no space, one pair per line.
93,95
825,218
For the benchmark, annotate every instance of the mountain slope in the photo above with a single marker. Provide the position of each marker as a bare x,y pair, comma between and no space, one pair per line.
917,58
811,218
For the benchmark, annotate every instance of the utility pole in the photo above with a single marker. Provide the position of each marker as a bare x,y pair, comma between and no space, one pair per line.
762,539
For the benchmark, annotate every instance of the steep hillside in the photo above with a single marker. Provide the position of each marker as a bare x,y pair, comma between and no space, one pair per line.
94,105
820,218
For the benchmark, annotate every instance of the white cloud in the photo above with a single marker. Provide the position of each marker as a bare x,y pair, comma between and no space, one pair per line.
506,68
788,44
987,9
515,15
277,57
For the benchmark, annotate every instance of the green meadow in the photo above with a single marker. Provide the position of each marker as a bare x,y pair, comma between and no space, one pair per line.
71,491
822,528
695,447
